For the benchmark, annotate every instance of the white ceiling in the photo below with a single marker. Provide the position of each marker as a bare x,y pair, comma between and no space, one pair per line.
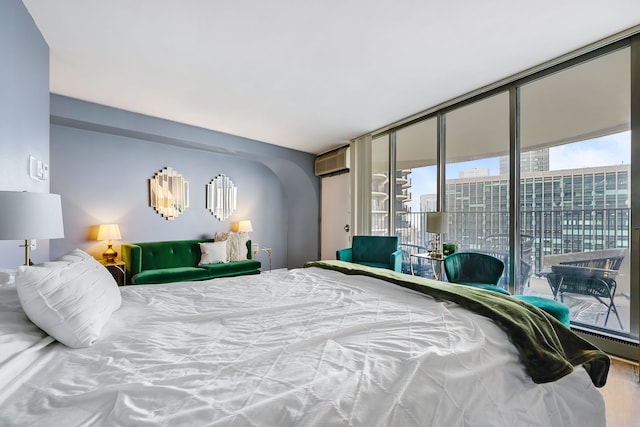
309,75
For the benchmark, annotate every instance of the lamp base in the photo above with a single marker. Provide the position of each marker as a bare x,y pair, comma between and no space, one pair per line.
438,254
27,252
110,254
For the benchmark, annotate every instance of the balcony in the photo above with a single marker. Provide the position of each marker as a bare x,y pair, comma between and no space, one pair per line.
587,233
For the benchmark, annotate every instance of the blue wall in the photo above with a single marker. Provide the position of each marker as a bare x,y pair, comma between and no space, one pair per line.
102,159
24,113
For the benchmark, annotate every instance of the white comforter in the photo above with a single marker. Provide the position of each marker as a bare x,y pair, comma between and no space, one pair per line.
306,347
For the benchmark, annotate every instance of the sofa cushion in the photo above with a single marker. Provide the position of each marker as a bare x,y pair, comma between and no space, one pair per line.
178,253
168,275
235,268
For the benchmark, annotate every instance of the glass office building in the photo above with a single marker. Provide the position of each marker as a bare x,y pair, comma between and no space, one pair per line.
576,210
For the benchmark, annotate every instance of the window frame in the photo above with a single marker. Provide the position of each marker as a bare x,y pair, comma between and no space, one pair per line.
625,345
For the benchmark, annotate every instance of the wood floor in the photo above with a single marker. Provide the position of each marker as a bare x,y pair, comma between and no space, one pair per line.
622,395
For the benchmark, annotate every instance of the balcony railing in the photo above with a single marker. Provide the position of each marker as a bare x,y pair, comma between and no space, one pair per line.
554,232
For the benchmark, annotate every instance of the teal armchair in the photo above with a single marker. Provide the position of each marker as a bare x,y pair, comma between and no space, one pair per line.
475,269
485,271
374,251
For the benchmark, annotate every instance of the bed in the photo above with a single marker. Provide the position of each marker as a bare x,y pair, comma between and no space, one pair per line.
325,345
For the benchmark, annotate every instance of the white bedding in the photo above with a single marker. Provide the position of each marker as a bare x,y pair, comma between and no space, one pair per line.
305,347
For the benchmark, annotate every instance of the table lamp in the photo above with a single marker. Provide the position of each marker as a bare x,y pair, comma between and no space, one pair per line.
109,232
244,226
29,216
438,223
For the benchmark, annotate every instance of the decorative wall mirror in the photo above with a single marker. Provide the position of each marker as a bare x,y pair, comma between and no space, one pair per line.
168,193
221,197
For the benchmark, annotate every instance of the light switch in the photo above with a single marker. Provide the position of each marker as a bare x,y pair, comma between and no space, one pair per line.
38,169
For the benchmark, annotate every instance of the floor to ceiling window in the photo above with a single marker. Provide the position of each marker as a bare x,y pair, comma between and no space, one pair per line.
477,177
568,232
416,187
575,198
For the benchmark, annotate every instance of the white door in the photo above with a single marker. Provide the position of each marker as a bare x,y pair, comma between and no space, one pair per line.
336,215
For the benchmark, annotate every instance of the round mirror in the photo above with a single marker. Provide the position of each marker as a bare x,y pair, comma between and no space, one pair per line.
221,197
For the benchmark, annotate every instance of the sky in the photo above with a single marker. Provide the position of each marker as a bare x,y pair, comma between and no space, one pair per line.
604,151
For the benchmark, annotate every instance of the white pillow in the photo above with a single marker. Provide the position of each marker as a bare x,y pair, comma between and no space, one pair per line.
71,299
105,277
213,253
236,244
79,255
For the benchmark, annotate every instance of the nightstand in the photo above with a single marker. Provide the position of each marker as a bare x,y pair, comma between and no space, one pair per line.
118,270
265,250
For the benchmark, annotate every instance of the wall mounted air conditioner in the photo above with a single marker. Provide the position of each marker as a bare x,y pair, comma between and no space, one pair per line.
332,162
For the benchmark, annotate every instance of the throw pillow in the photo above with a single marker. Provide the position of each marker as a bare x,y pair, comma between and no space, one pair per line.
70,299
213,253
236,244
221,235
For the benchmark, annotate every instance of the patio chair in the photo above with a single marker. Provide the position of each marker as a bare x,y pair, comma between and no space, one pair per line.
595,282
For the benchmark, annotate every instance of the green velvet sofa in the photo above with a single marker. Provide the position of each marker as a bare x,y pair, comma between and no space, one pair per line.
177,261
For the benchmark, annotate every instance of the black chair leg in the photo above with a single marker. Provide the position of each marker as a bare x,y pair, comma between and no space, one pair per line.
615,311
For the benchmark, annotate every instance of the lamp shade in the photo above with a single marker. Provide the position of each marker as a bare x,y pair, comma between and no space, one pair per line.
108,232
437,222
245,226
26,216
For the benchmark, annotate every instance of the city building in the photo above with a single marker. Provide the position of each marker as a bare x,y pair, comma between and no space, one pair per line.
576,210
530,161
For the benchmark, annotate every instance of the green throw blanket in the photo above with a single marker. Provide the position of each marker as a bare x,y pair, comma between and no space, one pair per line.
548,349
